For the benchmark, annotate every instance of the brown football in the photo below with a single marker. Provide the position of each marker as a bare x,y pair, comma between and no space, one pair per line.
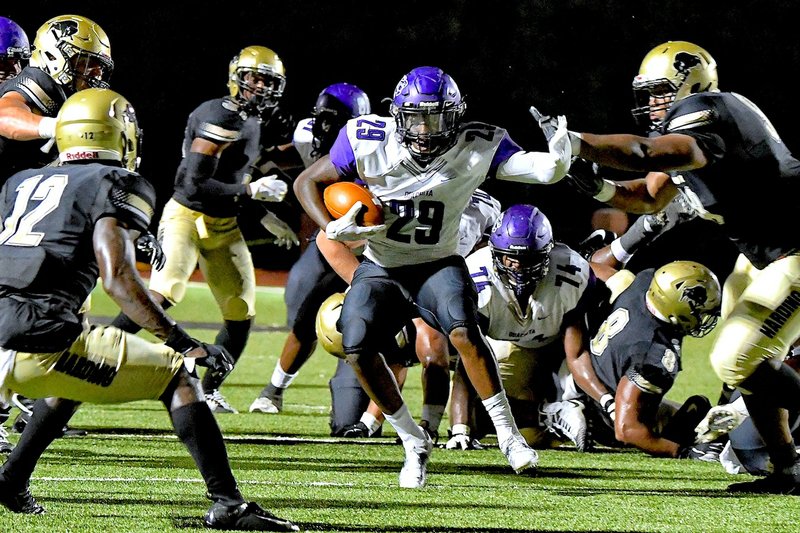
339,197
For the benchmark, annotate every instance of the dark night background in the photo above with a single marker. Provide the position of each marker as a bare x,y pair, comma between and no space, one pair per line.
567,57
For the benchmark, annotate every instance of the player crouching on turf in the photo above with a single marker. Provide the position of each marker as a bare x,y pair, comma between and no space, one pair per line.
636,355
82,217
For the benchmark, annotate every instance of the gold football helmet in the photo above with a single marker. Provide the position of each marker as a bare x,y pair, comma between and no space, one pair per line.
256,78
74,51
686,294
329,337
98,124
670,72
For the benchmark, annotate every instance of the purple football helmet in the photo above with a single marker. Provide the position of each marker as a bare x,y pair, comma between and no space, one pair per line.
521,242
336,104
15,50
428,108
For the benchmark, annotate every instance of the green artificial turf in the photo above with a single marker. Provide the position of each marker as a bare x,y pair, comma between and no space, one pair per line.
131,474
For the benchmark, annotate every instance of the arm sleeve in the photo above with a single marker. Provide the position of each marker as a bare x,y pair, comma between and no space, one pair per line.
535,167
531,167
199,168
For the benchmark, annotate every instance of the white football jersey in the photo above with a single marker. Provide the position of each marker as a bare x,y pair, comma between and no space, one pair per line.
540,322
302,141
477,219
422,206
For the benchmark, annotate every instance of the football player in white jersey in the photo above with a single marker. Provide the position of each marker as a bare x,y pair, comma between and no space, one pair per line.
431,346
423,165
532,293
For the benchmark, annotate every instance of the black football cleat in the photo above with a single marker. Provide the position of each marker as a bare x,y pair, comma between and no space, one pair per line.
783,481
359,430
246,517
19,501
23,418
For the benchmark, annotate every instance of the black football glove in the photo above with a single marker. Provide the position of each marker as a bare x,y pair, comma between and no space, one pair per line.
583,176
149,245
548,124
218,360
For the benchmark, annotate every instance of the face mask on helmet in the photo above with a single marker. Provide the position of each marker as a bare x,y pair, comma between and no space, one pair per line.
74,51
256,79
98,125
335,105
687,295
521,242
670,72
428,108
15,50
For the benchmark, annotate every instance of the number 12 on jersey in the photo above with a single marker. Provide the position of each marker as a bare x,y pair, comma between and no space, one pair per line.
18,227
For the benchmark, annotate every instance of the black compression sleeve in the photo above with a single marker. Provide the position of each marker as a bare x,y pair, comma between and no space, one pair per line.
200,168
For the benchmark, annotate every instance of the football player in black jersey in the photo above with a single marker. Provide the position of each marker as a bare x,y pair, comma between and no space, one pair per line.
635,355
311,279
724,142
223,143
82,217
70,52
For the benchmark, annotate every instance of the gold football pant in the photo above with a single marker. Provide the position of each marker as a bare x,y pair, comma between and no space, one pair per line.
527,373
189,237
760,317
103,365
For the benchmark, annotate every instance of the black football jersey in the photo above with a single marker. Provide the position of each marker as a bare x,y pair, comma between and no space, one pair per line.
752,180
634,343
222,122
47,262
42,94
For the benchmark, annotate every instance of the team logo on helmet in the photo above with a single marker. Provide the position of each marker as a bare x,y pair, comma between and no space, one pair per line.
66,27
684,62
696,296
402,84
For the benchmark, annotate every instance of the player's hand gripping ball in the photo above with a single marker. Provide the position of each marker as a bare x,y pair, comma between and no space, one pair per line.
339,197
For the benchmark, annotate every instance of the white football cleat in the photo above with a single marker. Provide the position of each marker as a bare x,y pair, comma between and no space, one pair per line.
217,402
520,456
414,473
566,419
264,404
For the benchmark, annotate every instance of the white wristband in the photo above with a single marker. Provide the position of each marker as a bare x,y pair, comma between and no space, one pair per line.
607,192
605,400
47,128
459,429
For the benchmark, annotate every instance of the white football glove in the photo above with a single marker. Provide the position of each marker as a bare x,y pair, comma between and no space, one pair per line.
346,228
460,439
284,234
268,189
